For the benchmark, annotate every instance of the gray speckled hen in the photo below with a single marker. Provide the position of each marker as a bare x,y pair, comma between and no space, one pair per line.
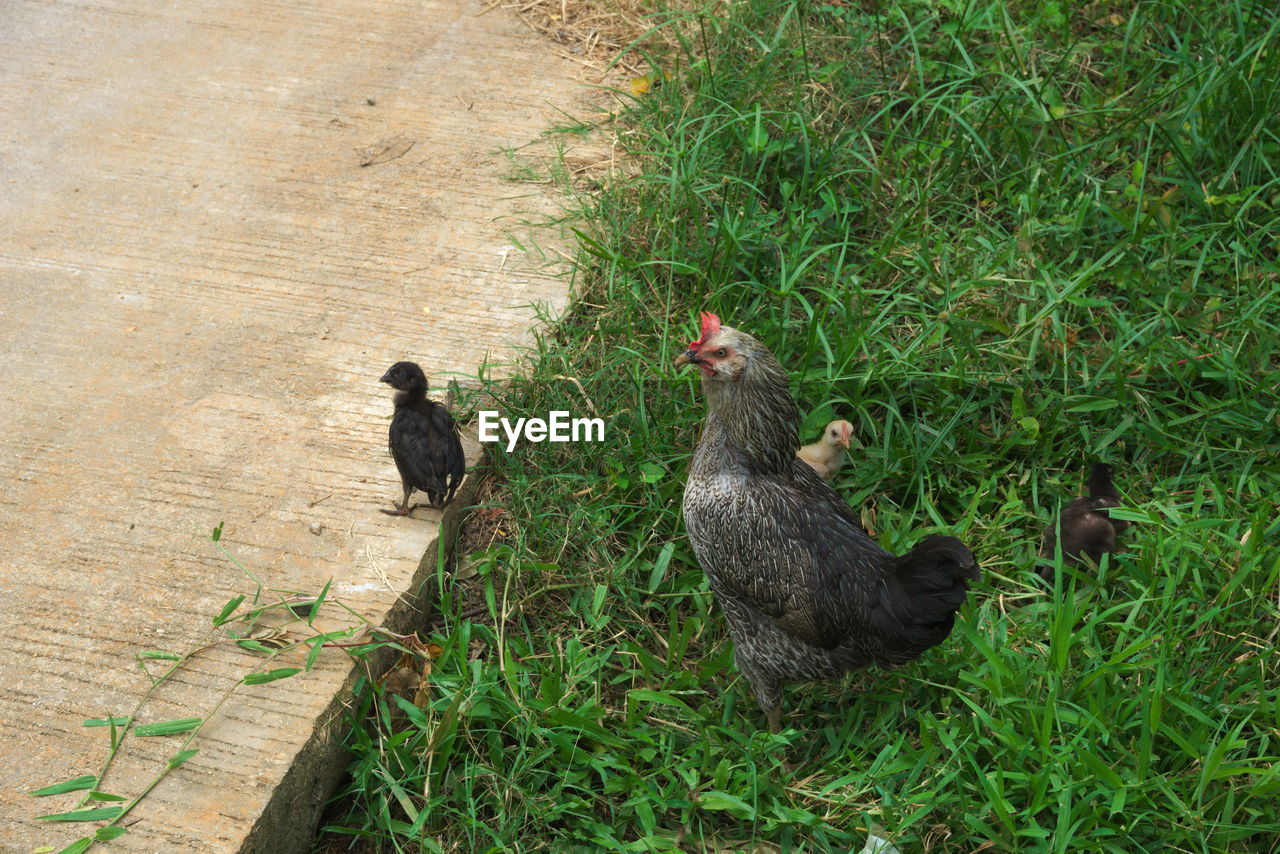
806,593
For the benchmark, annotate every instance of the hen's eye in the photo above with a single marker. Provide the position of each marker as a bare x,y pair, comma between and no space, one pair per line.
721,353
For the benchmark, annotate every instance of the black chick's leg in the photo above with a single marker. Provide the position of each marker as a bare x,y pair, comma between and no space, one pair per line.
431,503
403,509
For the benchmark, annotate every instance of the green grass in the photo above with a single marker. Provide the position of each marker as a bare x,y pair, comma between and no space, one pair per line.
1003,239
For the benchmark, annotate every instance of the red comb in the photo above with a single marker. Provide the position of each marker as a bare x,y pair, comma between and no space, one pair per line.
710,326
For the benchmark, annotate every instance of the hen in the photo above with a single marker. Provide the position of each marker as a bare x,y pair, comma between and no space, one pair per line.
423,440
826,456
806,593
1087,528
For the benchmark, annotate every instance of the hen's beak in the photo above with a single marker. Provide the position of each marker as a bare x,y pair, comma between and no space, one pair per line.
688,357
843,441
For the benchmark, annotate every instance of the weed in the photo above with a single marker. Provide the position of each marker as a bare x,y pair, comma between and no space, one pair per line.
1002,239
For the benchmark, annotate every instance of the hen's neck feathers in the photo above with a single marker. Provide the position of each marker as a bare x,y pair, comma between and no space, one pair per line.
756,412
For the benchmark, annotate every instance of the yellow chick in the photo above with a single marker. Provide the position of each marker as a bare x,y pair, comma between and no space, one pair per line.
826,455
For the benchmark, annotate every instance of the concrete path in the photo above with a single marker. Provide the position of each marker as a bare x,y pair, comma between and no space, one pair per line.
219,223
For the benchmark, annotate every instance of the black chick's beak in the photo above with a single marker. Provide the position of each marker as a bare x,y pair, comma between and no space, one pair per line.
386,378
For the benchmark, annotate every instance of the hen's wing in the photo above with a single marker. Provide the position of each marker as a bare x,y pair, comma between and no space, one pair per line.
790,547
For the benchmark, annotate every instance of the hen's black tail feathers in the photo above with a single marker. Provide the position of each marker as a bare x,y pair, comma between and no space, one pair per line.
935,577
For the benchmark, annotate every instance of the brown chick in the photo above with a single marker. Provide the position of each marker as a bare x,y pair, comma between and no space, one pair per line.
1087,529
826,455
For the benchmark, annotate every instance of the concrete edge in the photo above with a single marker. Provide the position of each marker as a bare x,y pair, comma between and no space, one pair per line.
290,821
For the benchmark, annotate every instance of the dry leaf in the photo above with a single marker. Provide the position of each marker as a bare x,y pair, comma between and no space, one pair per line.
642,84
868,519
268,637
401,681
466,568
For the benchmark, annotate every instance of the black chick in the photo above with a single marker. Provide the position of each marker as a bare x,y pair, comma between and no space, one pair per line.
424,441
1087,528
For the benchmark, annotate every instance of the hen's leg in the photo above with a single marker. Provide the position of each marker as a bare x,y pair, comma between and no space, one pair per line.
766,686
769,696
